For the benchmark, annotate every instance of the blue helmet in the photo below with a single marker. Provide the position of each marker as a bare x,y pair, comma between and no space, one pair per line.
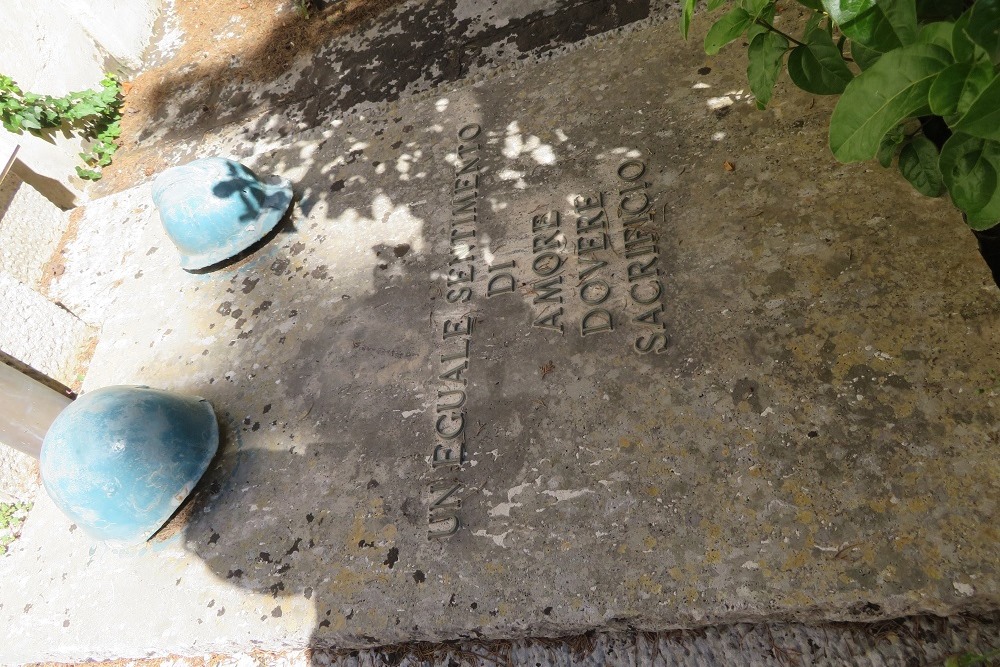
120,460
213,209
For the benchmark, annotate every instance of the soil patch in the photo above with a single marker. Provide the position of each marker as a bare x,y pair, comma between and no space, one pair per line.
249,41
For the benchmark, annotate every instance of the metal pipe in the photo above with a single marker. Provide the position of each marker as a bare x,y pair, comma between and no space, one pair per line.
27,409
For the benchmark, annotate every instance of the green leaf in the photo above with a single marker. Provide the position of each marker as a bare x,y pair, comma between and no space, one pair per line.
938,33
962,45
765,54
842,11
969,166
902,17
984,27
715,4
726,29
958,86
817,66
863,56
687,10
890,142
755,7
756,28
982,119
88,174
918,162
894,88
873,29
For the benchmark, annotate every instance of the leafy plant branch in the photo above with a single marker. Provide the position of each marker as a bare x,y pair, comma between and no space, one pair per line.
918,80
93,115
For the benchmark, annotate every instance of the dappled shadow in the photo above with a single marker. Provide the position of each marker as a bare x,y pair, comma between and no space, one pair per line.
300,74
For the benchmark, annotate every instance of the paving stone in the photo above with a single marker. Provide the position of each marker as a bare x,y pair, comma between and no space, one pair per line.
42,335
682,394
30,230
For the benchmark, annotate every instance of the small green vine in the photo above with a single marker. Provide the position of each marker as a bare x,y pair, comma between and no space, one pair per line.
12,516
93,115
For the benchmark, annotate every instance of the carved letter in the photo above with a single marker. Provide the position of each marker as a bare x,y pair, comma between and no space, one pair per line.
466,167
457,235
631,170
547,289
453,406
599,285
440,426
439,503
645,302
594,264
550,321
640,251
587,202
469,132
468,205
456,328
541,242
597,221
496,267
651,317
596,321
637,270
632,188
460,295
541,267
635,209
547,221
456,276
637,236
648,216
454,522
463,184
644,344
448,456
455,374
502,283
588,244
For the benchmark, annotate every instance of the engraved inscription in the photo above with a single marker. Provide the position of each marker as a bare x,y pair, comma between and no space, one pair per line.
616,264
547,244
592,237
645,286
450,414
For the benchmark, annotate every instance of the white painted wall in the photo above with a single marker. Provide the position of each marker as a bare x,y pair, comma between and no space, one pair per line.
121,27
63,45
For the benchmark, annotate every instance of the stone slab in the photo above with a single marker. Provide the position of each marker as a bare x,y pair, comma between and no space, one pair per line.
30,230
816,442
39,333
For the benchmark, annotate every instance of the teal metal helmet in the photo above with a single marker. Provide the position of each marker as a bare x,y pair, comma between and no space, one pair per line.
120,460
213,209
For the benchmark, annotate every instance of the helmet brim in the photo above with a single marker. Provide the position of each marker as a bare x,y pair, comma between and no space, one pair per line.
277,199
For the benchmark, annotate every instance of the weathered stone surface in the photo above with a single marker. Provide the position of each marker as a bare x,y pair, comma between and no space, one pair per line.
30,230
817,440
42,335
